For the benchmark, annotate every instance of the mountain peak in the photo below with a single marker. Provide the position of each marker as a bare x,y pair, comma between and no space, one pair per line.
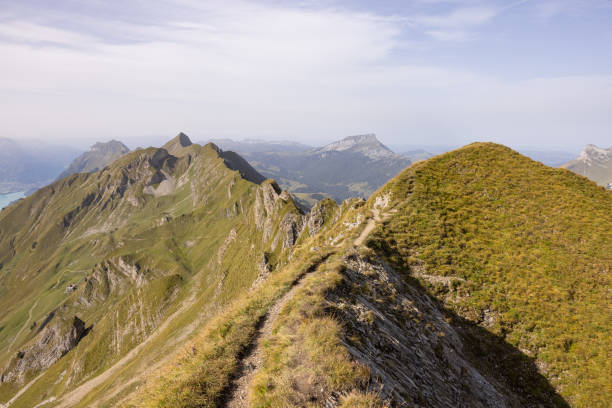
110,146
366,144
593,155
183,139
176,145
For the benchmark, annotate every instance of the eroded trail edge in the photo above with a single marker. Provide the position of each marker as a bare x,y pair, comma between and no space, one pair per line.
251,359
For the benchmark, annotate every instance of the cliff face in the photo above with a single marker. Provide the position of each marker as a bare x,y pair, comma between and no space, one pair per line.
56,336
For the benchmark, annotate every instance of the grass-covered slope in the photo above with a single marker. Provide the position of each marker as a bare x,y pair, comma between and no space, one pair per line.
486,284
519,248
141,252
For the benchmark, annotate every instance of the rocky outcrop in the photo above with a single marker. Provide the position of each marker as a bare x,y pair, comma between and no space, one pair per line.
58,336
268,203
289,229
113,275
416,357
264,209
321,212
594,163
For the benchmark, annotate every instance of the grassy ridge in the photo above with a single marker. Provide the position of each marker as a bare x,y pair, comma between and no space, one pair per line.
305,356
79,229
201,371
530,248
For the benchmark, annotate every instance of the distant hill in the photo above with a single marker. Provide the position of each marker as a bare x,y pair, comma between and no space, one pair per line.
259,146
352,167
98,156
26,166
594,163
417,155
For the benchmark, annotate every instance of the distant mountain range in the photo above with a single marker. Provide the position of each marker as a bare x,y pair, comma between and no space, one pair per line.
594,163
98,156
259,146
352,167
28,166
552,158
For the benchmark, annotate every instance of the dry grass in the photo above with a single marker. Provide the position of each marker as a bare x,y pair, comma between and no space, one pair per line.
305,359
199,374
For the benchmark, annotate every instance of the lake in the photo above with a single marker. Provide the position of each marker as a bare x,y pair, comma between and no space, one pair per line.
6,199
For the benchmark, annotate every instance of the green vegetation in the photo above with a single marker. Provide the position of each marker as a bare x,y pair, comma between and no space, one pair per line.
198,375
182,267
531,247
139,256
305,357
201,373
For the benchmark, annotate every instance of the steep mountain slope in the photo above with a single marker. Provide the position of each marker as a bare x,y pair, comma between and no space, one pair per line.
102,272
595,164
519,249
477,278
98,156
352,167
480,289
25,166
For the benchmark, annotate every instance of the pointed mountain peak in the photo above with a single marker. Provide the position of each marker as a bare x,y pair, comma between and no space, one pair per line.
177,144
183,139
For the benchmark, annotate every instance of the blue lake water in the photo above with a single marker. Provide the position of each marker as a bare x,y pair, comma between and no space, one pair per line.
6,199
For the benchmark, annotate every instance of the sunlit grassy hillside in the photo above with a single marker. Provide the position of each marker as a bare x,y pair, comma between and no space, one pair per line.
519,248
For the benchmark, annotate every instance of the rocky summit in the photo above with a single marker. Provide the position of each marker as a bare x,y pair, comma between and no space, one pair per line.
181,277
594,163
368,145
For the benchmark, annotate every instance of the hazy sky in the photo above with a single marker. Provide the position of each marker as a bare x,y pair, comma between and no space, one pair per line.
523,73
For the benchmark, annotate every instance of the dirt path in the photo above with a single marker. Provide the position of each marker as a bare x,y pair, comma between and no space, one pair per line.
368,228
24,325
21,391
253,358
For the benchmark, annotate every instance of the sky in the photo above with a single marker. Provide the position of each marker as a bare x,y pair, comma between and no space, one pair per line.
437,72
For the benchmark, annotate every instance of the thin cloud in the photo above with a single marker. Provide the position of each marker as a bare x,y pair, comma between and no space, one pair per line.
460,18
248,70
